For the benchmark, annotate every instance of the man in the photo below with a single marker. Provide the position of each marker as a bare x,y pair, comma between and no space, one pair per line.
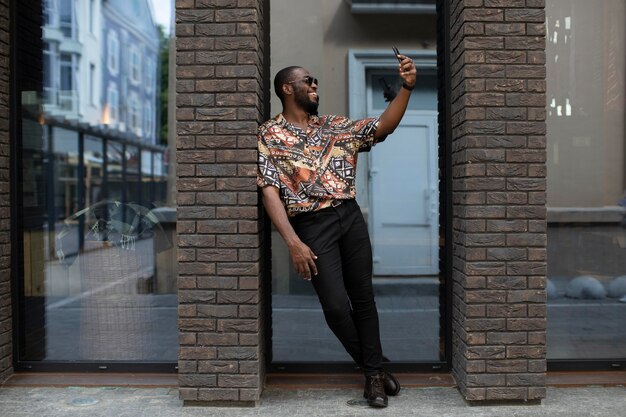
307,165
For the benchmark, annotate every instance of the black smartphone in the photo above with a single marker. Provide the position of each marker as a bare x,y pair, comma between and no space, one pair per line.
396,53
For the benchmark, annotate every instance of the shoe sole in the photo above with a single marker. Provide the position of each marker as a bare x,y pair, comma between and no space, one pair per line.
376,405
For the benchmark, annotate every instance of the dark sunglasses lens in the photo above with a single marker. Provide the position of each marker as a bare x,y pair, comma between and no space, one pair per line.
310,80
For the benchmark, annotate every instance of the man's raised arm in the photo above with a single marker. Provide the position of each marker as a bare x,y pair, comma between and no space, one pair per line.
390,119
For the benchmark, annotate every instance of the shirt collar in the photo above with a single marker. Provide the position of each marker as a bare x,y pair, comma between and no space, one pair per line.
280,119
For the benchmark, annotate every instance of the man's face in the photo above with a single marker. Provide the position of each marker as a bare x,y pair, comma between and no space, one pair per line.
305,95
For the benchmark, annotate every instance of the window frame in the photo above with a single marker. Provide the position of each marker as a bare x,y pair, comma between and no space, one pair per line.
134,72
51,13
113,52
72,25
135,114
113,103
148,119
150,75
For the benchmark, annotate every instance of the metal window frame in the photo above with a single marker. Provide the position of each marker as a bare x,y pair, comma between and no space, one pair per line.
393,7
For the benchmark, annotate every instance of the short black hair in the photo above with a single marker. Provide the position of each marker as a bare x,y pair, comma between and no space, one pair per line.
282,77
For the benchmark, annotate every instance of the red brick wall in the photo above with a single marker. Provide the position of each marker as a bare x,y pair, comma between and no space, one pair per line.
6,346
219,86
499,217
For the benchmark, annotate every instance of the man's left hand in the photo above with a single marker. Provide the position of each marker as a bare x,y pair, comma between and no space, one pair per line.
407,69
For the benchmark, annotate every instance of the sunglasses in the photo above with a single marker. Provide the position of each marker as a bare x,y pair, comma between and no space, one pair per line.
308,80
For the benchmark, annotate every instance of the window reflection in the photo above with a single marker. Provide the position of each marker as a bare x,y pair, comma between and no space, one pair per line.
131,180
65,173
67,22
93,162
115,177
147,188
160,178
586,79
98,261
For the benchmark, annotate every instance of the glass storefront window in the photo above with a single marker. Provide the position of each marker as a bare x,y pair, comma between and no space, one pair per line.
397,188
586,81
99,273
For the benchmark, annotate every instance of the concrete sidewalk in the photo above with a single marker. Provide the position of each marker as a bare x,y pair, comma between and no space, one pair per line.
440,402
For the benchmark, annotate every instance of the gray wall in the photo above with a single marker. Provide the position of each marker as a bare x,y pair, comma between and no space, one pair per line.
318,34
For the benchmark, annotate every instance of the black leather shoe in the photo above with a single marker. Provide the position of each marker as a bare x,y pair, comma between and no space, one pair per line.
391,384
375,391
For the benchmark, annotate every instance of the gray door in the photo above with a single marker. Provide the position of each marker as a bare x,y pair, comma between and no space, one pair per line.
403,183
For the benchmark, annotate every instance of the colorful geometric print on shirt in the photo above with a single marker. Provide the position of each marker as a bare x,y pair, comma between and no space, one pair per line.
316,167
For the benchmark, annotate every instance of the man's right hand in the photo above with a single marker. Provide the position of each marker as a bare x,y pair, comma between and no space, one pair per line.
302,256
303,260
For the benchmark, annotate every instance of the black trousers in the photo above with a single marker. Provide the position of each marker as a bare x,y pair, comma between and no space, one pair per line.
338,236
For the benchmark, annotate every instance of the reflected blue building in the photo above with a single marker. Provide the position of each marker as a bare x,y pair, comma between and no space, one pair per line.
100,61
130,53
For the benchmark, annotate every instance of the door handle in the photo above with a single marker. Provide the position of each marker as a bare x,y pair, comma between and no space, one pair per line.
427,206
430,204
433,202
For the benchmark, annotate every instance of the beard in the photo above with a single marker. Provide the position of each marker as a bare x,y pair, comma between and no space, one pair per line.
308,105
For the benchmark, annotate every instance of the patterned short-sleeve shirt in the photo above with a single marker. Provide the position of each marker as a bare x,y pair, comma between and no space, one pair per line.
313,168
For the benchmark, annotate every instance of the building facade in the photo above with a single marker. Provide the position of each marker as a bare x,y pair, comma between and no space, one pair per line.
509,264
131,49
70,58
96,52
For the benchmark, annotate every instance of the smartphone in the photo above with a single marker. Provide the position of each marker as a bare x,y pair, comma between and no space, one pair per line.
396,53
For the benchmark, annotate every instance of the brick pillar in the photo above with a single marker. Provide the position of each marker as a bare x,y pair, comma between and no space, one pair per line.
219,86
497,81
6,345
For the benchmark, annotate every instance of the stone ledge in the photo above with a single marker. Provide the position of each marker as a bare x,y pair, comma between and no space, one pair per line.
229,404
607,214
